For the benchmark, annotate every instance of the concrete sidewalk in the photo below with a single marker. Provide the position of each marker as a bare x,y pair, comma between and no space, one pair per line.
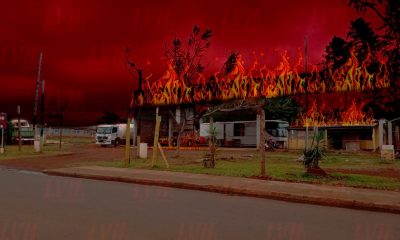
377,200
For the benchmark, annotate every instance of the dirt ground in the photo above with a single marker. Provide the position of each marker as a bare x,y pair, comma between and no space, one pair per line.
77,154
89,154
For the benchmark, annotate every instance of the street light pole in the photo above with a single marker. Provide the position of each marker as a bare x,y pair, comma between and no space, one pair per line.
19,127
2,140
306,80
42,119
37,95
128,139
61,125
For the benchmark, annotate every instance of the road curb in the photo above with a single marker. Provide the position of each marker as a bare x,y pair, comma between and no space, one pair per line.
352,204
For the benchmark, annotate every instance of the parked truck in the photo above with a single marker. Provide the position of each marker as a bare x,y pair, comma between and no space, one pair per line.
114,134
27,134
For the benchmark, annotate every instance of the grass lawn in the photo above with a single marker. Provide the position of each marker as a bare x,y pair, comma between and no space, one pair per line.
284,166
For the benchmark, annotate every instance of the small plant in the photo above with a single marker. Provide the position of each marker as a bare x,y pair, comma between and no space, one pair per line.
314,154
209,160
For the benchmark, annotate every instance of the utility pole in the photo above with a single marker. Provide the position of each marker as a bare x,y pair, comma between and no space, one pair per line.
261,112
19,127
3,125
156,135
2,140
137,93
38,82
42,119
61,125
306,81
128,139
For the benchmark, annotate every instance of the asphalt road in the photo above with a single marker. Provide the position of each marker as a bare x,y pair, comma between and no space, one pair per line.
37,206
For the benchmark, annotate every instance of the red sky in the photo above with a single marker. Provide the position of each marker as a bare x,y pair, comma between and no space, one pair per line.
83,43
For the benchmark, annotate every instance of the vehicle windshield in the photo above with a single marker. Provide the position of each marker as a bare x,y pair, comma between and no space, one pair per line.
104,130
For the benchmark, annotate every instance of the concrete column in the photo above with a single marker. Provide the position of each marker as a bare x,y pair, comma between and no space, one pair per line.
178,114
135,143
380,133
170,122
390,133
373,139
287,139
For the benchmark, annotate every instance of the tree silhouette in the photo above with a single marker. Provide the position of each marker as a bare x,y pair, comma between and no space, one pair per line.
336,53
363,38
390,18
382,43
186,58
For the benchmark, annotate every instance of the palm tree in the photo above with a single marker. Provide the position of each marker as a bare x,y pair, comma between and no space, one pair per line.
314,155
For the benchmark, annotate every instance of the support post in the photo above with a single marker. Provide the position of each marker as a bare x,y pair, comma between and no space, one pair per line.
258,131
380,133
306,137
139,126
2,140
397,135
34,123
210,129
128,140
135,124
262,141
170,121
42,119
156,135
163,155
61,125
306,86
373,139
390,133
19,127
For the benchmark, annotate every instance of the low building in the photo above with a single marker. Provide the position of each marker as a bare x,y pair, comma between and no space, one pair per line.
171,120
343,137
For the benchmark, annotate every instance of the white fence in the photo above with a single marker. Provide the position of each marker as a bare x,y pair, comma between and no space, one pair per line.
70,132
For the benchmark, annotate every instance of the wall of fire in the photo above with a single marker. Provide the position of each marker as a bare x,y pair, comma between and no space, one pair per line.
351,138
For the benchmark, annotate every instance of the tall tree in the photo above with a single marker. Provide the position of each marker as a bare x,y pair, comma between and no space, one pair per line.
363,38
390,18
186,60
387,49
336,53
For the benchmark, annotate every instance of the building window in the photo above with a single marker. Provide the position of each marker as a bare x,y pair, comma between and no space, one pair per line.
238,129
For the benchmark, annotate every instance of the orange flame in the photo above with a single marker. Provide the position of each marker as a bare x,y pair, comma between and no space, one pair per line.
260,81
352,116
